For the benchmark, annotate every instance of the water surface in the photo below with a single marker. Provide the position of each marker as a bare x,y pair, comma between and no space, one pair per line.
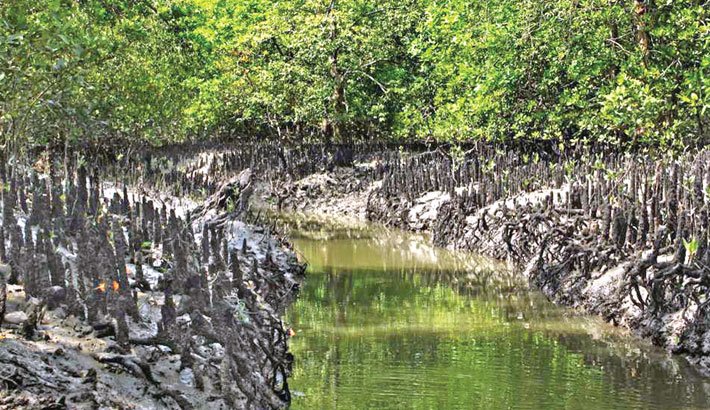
387,322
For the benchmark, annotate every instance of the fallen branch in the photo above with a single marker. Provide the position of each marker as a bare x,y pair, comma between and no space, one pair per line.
134,365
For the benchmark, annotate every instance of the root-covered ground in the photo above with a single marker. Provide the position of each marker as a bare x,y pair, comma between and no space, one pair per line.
122,295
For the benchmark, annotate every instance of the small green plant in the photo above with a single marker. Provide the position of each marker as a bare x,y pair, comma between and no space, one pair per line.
569,167
489,166
689,182
691,248
231,205
238,308
611,175
527,183
457,155
599,165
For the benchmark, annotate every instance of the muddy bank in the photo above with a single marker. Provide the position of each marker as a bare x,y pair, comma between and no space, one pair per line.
625,237
341,194
120,295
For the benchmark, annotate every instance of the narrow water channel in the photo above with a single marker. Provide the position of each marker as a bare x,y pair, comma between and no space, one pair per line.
387,322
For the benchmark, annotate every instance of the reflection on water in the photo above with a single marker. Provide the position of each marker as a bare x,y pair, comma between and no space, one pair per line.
386,322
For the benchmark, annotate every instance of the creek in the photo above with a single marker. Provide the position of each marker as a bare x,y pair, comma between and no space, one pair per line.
385,321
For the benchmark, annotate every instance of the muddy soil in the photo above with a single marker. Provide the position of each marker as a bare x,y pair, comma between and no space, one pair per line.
151,301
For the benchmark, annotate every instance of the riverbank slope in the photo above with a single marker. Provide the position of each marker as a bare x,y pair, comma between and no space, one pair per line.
620,236
123,295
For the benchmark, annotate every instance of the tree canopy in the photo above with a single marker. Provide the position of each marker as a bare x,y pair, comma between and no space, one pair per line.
156,71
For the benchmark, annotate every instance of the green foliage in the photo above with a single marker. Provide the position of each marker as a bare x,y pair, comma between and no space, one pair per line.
305,67
87,72
456,70
572,69
622,72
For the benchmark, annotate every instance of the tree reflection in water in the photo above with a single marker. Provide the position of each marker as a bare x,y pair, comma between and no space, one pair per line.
386,321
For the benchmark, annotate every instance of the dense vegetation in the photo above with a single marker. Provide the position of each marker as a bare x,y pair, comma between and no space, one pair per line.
618,71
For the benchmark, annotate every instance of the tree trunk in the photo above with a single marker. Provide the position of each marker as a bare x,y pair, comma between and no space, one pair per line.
642,36
4,272
343,154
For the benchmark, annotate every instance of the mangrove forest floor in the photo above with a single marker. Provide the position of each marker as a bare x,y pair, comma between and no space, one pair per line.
118,294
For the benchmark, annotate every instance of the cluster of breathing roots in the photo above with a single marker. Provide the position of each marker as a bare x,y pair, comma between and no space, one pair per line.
142,272
623,235
626,236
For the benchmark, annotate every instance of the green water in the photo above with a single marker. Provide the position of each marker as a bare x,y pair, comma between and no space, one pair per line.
386,322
